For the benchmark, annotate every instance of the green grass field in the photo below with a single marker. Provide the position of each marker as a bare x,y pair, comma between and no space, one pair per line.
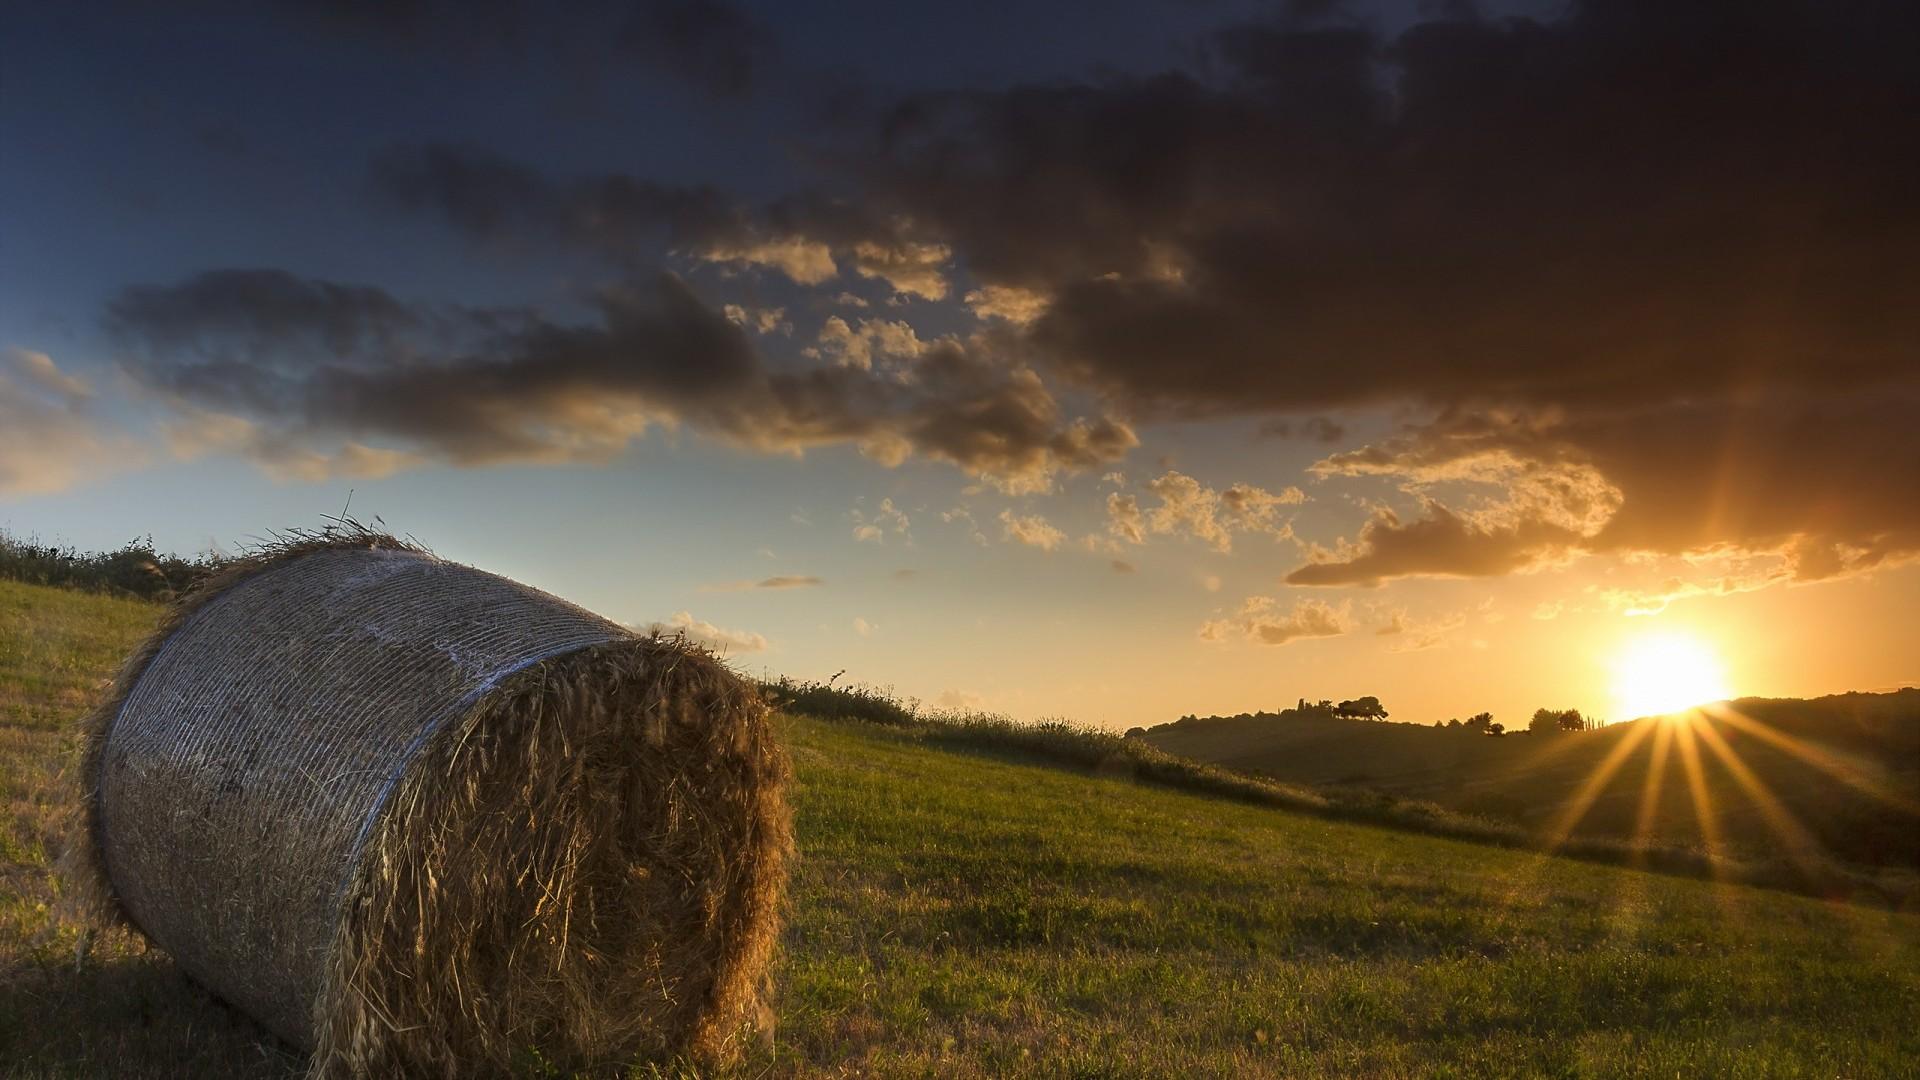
973,912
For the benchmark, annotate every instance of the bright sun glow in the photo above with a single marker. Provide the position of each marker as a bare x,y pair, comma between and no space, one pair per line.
1666,672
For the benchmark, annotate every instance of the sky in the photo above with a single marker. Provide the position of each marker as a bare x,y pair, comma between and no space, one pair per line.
1105,361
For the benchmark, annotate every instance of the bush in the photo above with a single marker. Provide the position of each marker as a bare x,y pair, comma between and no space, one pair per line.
826,701
134,570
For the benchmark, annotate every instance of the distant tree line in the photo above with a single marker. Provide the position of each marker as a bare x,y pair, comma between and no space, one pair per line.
1360,708
1544,722
1478,724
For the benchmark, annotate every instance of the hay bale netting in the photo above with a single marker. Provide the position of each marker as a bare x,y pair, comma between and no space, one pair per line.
416,818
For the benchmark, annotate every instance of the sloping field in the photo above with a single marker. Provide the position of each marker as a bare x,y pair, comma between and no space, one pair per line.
975,914
1761,775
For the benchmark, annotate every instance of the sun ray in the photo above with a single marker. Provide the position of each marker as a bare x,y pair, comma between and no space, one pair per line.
1802,846
1656,780
1776,813
1590,791
1706,816
1521,882
1703,811
1815,755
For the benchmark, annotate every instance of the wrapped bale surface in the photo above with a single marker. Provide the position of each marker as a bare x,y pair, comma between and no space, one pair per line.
414,817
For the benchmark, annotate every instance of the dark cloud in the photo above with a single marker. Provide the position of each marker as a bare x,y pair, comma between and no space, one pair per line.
1642,200
1824,481
492,198
247,313
1316,428
313,362
628,220
710,44
253,332
1673,237
1439,544
1836,469
457,25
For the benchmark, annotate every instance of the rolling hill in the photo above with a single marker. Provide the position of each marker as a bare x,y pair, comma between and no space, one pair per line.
1837,775
977,912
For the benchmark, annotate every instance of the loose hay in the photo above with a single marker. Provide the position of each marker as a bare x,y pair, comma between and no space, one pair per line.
419,819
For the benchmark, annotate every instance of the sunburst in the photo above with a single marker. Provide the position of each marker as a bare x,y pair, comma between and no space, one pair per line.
1666,672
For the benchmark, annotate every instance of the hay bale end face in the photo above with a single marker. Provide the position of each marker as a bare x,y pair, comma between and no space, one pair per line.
417,818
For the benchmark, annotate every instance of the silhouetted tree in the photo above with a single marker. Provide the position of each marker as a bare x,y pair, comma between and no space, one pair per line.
1552,721
1496,729
1366,708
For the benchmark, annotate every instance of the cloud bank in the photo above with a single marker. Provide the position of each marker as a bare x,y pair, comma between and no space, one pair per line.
291,365
1658,244
1635,277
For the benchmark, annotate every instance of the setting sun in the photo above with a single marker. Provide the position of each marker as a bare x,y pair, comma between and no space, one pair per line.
1665,672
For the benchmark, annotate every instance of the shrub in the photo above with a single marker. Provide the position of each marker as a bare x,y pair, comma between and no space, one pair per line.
826,701
136,569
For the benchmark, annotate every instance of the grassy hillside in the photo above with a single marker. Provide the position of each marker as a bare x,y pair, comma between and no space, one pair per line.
1839,774
970,912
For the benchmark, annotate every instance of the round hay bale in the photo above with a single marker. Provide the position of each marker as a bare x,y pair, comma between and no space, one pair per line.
415,818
